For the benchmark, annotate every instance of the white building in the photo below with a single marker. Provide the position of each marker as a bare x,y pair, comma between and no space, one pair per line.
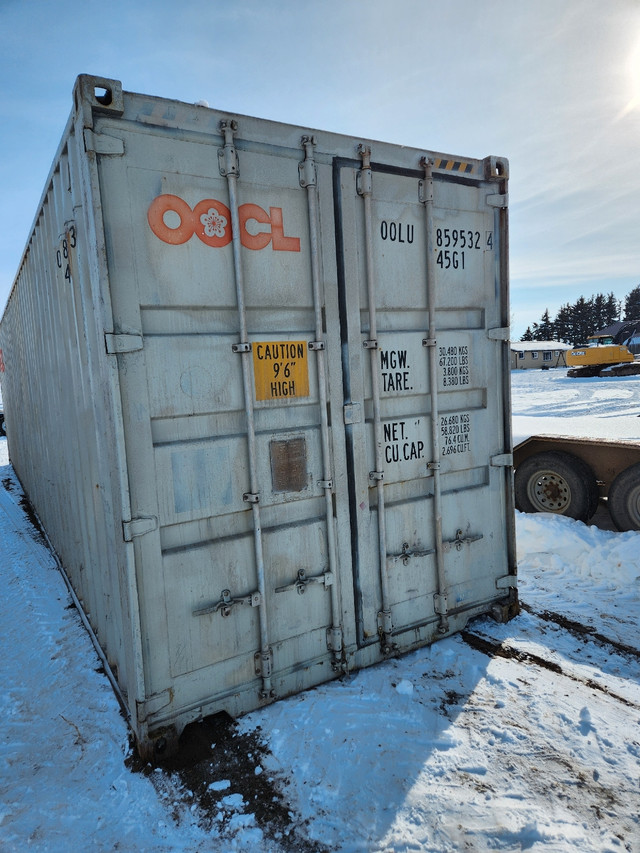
526,355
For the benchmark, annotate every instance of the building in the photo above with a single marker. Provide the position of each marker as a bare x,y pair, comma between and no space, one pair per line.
527,355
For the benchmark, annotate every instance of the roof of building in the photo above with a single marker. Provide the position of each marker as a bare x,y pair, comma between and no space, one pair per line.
539,346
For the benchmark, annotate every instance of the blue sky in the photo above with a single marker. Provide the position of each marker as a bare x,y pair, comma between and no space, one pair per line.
554,85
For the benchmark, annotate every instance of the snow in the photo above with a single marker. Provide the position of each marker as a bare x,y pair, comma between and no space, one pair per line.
523,736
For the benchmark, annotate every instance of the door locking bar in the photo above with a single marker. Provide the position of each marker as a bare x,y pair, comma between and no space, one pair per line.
406,553
227,602
302,581
460,540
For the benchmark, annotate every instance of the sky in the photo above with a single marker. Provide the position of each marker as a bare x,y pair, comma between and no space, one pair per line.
553,85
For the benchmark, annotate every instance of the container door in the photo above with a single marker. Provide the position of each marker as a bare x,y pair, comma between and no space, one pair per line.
426,395
224,347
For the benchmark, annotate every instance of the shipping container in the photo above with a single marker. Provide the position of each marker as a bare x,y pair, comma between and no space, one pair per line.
256,387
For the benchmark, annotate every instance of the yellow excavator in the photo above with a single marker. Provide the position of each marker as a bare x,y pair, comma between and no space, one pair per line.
602,357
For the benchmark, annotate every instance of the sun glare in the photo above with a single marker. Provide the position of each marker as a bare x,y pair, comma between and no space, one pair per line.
633,71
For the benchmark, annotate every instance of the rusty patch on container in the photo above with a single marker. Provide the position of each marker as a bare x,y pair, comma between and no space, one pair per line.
288,465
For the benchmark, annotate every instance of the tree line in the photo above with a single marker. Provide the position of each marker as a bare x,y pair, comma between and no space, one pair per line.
575,322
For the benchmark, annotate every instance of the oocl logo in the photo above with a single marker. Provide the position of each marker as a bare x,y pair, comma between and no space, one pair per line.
210,221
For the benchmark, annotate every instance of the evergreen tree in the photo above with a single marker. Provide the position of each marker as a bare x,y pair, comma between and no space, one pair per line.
543,331
612,309
632,305
583,324
564,324
527,335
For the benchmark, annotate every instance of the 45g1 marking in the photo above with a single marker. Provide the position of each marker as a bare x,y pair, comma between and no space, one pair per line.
62,254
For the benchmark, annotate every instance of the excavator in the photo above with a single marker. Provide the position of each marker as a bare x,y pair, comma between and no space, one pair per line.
604,355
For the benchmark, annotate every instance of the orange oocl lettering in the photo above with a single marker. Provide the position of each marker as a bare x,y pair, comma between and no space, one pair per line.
280,242
163,204
212,221
253,241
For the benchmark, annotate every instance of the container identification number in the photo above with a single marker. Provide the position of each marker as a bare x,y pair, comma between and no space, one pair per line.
456,244
454,365
62,254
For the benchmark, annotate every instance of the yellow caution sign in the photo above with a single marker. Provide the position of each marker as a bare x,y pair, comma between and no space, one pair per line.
281,369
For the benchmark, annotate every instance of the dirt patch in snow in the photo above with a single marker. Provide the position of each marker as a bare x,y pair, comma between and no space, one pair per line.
221,777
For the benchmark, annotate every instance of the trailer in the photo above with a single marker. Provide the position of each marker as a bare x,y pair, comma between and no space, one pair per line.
256,385
571,476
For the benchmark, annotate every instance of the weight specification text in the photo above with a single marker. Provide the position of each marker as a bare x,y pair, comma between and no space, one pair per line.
455,433
454,366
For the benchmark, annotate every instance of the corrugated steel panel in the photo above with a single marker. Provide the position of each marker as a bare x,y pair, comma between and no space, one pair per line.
256,388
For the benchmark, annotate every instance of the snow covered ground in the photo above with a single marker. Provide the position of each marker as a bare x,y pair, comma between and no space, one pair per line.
523,736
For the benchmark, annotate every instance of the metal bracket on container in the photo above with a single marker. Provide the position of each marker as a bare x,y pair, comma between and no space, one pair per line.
498,200
429,342
502,460
251,497
302,581
370,344
307,168
334,639
228,162
227,602
406,553
440,604
385,631
376,475
102,143
501,334
316,345
241,347
117,344
325,484
460,540
263,662
352,413
138,527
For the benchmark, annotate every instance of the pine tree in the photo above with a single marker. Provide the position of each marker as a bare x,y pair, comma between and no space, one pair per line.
527,335
632,305
564,324
612,309
543,331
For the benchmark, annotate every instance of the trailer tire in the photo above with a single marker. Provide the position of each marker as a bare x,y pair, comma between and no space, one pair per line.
556,482
624,499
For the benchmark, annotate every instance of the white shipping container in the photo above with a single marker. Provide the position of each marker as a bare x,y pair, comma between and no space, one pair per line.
256,388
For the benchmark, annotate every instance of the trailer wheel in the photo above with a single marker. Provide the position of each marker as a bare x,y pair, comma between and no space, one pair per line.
556,482
624,499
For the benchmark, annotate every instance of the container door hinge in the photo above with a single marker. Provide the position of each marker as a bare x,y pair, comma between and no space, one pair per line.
302,581
138,527
502,334
102,143
117,344
459,541
502,460
498,200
